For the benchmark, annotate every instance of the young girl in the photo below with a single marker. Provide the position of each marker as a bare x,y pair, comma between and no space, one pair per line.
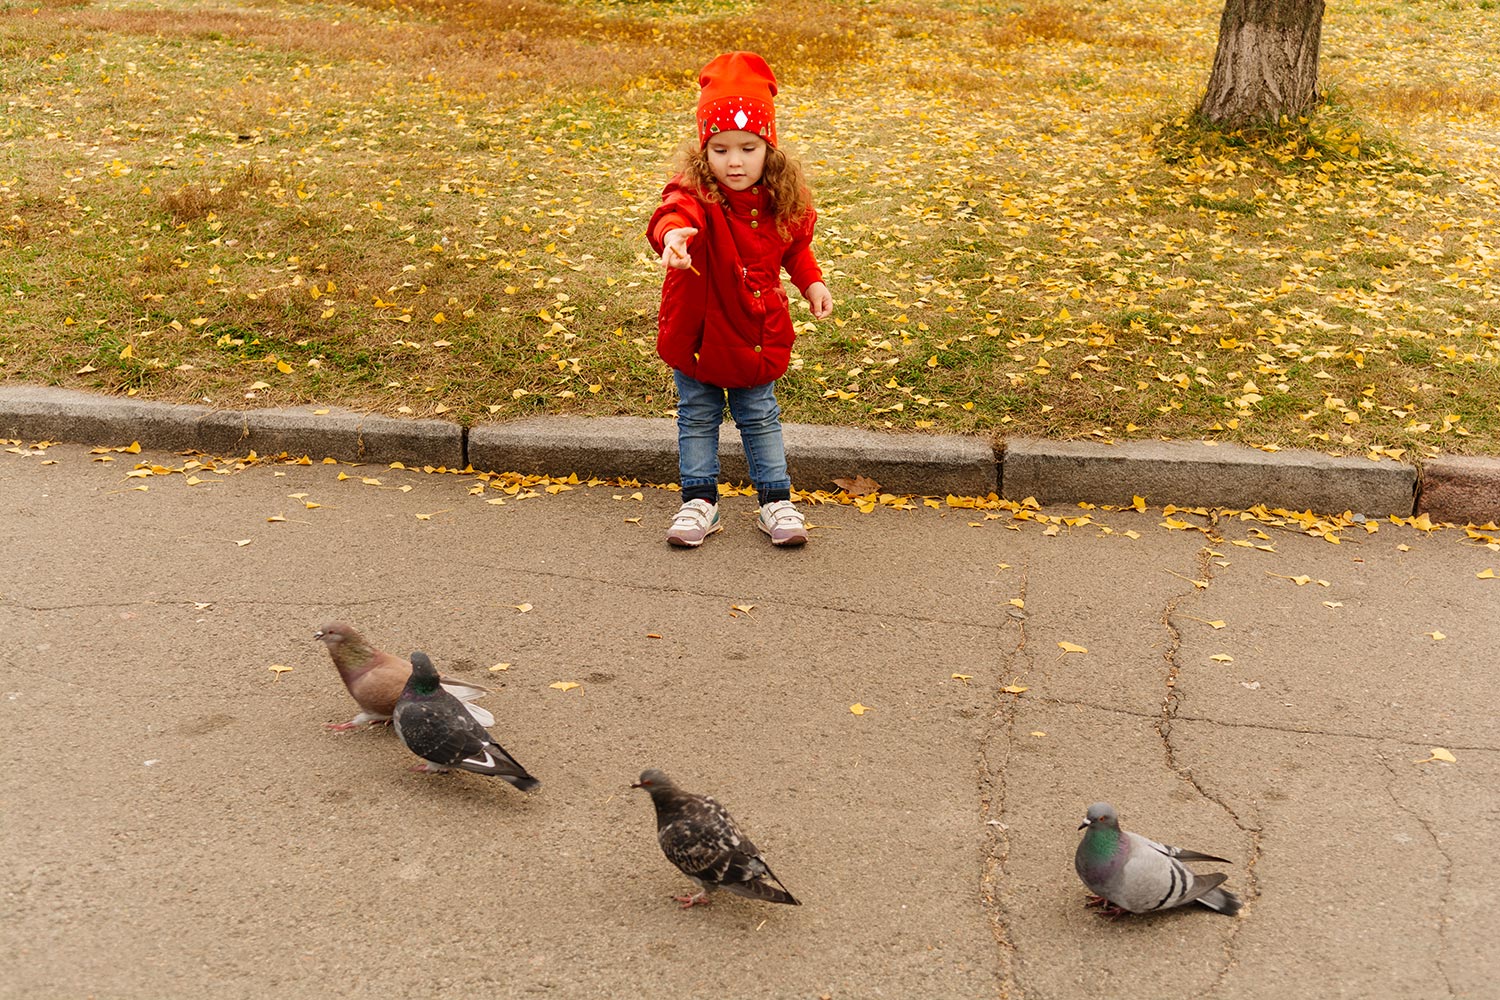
737,213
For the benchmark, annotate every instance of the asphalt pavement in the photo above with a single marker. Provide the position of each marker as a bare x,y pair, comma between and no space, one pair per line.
177,822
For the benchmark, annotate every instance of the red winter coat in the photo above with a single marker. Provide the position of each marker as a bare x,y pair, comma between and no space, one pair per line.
729,325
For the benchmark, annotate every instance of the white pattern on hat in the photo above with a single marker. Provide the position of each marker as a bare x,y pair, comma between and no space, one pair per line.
741,119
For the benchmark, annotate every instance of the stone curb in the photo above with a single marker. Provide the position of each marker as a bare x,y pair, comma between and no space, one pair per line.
1203,474
1461,489
1187,473
39,412
646,449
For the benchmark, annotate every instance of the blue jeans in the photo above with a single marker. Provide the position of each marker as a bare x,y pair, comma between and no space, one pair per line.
700,410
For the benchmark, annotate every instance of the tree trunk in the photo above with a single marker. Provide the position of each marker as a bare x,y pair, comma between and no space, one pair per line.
1266,65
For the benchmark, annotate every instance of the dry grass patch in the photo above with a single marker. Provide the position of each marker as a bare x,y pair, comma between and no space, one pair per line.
436,209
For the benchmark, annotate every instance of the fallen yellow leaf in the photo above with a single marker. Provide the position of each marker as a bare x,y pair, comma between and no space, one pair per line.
1485,574
499,667
1439,753
1436,636
859,709
746,608
1222,658
278,669
1015,688
1068,647
1298,580
564,685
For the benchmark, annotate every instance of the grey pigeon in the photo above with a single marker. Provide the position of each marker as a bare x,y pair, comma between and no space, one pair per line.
437,727
1135,875
699,837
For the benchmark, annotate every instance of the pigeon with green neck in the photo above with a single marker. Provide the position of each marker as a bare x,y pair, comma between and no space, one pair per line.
437,727
1128,873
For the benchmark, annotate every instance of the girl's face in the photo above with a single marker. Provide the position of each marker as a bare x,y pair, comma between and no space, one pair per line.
736,159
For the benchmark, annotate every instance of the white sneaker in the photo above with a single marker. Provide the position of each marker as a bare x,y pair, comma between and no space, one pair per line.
783,522
695,521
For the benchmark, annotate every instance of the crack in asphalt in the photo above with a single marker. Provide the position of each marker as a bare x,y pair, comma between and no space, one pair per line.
992,810
182,602
1267,727
1447,872
1171,700
859,612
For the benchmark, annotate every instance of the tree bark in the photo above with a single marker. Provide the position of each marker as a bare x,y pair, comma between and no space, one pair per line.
1266,65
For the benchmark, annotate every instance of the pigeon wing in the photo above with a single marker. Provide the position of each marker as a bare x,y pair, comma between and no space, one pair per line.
492,758
440,730
703,841
1153,879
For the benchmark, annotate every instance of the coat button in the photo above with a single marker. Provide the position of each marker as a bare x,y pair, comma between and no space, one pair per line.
757,293
755,211
754,224
757,348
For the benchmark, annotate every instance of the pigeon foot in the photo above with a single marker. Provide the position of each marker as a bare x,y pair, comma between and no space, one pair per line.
340,727
1106,908
697,899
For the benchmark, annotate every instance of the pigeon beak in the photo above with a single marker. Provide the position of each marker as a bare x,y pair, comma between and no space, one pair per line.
636,784
1083,824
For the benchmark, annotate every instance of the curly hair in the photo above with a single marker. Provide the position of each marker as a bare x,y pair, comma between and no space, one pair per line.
786,186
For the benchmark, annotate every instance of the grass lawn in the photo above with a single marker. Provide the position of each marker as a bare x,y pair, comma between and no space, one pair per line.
438,208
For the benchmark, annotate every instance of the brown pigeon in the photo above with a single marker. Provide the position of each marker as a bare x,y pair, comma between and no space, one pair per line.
698,836
375,679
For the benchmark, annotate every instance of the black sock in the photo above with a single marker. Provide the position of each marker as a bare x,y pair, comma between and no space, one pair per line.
771,496
709,493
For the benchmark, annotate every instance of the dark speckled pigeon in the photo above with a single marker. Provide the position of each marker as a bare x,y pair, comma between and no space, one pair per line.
1130,874
437,727
700,838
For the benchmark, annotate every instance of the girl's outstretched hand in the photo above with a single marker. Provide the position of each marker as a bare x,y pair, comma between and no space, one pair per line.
674,252
819,299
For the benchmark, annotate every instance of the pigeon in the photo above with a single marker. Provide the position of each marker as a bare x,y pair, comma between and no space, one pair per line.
699,837
1130,874
375,679
435,726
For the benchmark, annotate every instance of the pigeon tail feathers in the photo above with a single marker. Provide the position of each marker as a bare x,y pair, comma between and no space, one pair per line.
759,888
1222,901
493,760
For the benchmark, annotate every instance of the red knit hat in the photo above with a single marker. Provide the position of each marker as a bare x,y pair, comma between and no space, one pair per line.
736,95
